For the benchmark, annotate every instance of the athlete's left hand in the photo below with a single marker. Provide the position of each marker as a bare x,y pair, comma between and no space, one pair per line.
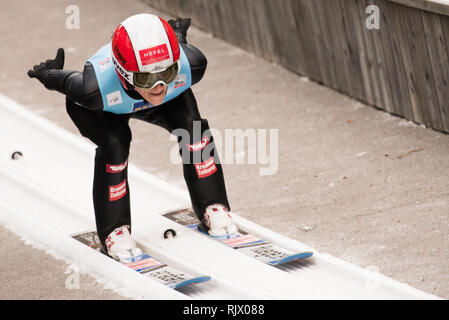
41,71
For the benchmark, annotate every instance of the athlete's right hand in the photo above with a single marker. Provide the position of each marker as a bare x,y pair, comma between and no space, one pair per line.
180,27
41,71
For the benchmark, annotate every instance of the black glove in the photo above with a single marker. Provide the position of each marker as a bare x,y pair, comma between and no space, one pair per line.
180,27
43,71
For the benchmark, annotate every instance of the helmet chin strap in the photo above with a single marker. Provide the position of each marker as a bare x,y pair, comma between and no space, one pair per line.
130,89
129,86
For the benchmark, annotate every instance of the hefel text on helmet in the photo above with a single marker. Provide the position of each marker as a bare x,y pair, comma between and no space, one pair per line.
154,54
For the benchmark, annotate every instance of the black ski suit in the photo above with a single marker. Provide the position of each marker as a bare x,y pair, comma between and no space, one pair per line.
112,134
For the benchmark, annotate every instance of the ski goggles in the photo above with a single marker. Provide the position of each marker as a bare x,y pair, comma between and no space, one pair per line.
148,80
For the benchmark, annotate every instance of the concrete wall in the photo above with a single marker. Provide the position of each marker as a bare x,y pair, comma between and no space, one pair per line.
402,68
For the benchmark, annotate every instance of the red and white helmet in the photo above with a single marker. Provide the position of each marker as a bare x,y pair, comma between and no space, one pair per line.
145,51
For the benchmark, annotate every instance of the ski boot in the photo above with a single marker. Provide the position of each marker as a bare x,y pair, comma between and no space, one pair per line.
121,247
218,221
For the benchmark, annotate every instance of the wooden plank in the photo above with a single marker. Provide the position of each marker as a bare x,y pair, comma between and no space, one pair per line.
371,58
298,42
233,20
359,28
266,25
404,52
324,35
285,34
271,25
445,40
381,63
253,31
339,44
221,21
439,59
242,25
397,71
421,71
317,35
214,17
261,35
352,26
194,9
307,55
392,67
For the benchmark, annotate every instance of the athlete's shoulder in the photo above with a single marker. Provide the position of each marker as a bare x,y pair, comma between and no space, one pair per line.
197,61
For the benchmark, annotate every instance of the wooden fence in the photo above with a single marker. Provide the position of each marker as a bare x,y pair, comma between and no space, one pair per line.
402,67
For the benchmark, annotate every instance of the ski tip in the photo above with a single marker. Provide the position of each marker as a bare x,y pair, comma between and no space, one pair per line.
299,256
191,282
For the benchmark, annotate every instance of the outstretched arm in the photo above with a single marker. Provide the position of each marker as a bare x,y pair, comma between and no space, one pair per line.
82,87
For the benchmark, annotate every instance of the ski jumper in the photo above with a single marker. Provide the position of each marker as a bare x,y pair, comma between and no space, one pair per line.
101,108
